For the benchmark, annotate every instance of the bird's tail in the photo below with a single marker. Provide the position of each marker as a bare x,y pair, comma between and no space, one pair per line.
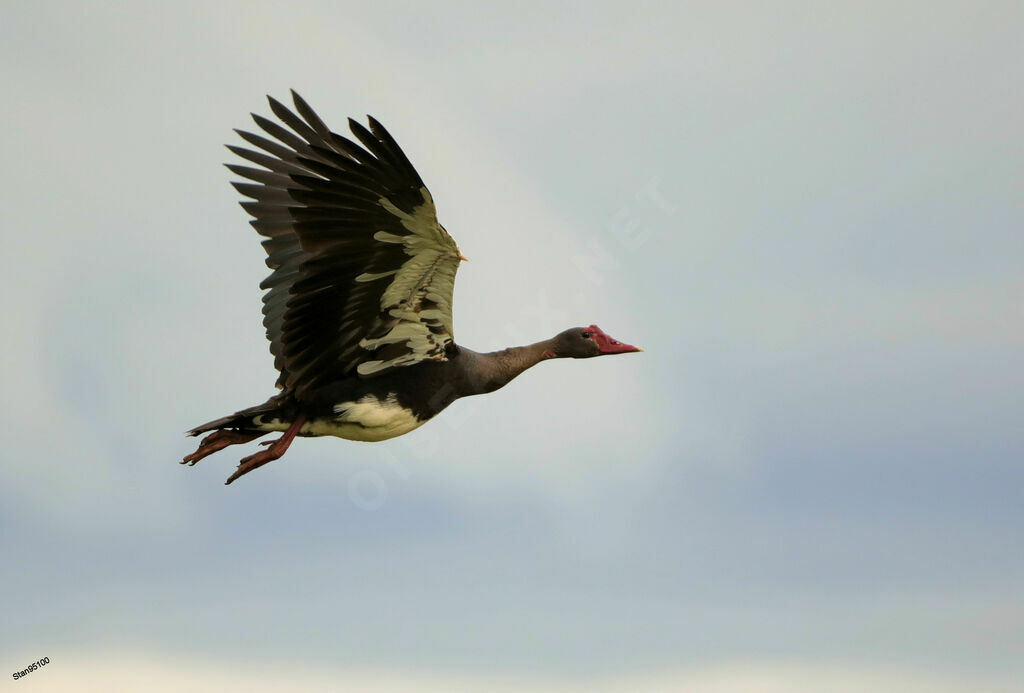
240,420
231,421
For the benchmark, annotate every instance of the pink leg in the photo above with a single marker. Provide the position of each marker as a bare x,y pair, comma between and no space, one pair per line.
275,451
218,440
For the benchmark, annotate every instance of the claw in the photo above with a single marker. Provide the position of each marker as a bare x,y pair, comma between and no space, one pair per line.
275,451
218,440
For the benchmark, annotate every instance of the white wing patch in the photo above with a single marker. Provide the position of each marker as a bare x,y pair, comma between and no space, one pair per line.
428,275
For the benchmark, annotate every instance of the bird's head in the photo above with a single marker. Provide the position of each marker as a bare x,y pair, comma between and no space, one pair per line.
585,342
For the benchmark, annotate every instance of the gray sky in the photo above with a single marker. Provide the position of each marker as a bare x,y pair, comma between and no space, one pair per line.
809,215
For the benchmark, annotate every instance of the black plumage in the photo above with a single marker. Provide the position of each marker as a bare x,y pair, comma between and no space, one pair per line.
358,302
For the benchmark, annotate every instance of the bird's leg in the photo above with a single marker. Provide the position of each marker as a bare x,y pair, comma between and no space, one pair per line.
275,451
218,440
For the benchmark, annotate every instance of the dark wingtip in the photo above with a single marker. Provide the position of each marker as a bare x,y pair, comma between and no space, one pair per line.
275,105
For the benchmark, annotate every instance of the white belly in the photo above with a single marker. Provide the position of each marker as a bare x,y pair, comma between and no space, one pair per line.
367,419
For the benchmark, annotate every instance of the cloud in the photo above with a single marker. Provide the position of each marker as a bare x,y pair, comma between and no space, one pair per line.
809,219
113,672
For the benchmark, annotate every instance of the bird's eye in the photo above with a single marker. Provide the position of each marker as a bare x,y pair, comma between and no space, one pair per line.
586,335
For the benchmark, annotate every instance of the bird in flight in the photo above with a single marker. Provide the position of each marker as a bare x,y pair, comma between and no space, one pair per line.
358,305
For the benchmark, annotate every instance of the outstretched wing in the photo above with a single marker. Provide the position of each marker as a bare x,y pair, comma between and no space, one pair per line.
362,271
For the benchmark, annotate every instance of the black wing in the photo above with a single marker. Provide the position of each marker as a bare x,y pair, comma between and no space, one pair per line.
363,272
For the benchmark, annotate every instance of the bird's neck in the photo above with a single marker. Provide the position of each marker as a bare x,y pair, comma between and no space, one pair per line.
497,368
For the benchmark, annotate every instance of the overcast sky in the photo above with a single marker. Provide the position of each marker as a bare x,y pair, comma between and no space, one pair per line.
810,215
